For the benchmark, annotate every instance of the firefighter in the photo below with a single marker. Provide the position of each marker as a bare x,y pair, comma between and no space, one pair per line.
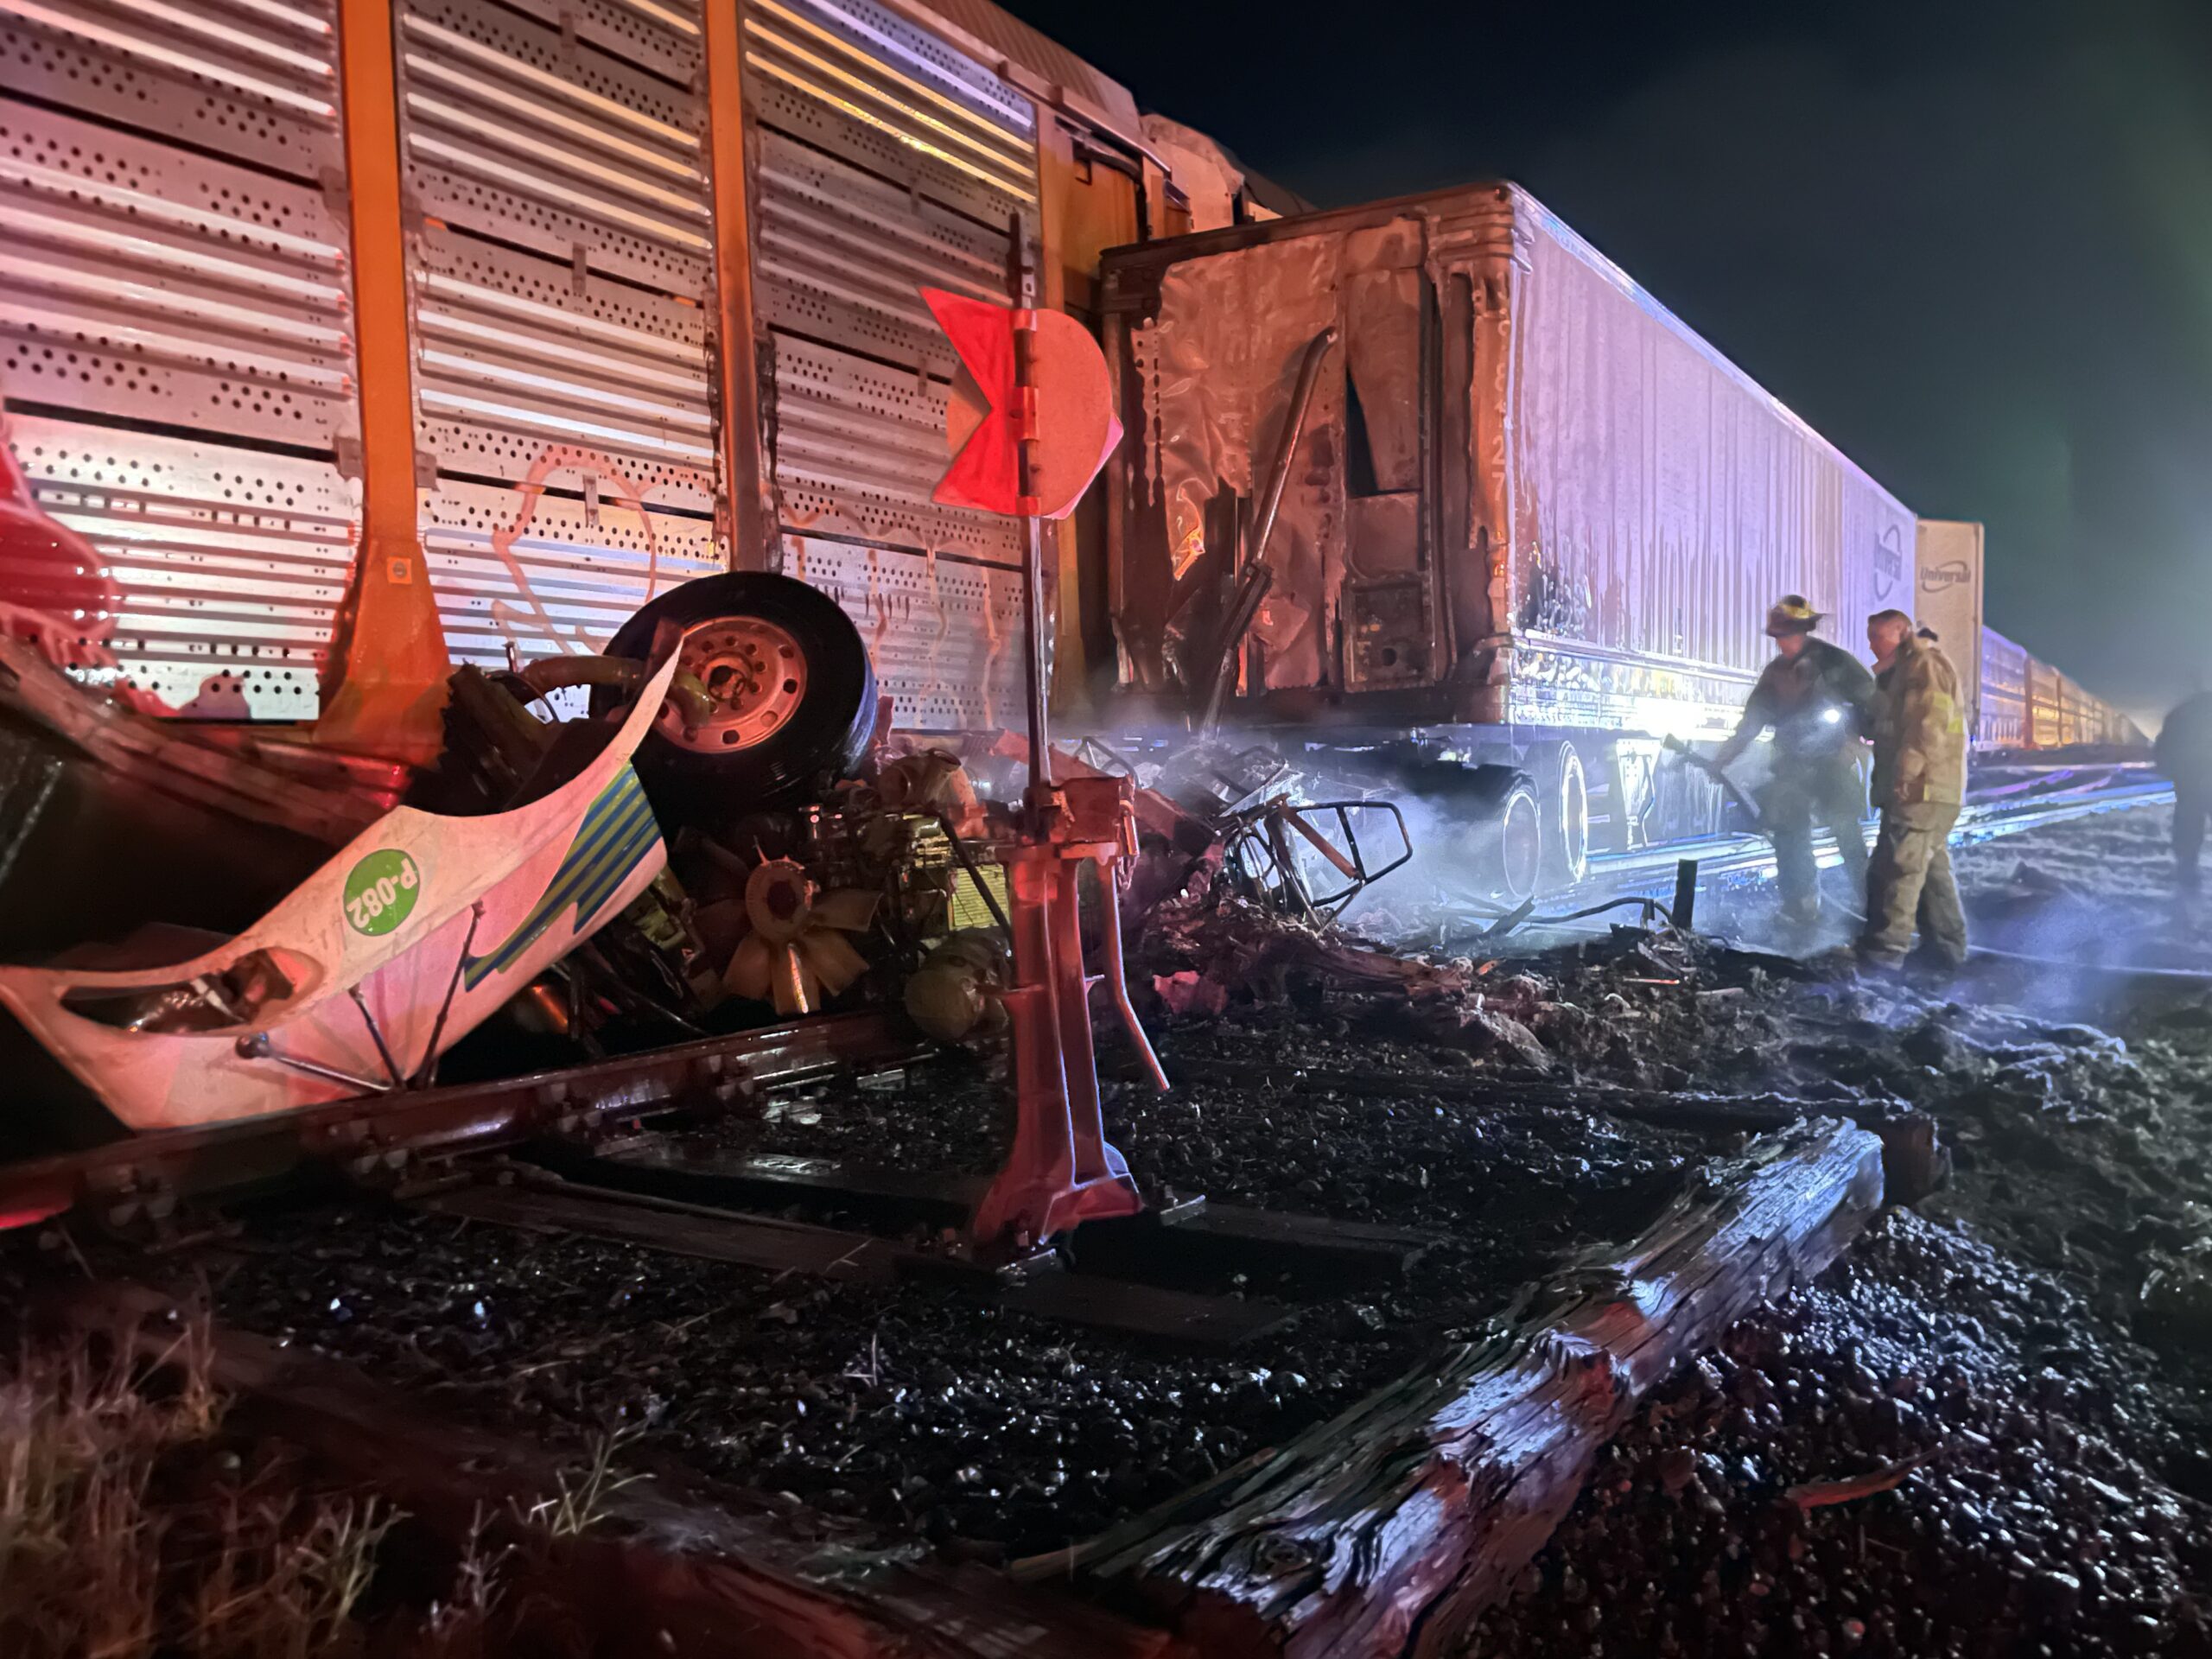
2183,754
1818,699
1920,776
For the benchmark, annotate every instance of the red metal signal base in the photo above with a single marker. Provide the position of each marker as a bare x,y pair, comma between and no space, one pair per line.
1061,1171
1028,445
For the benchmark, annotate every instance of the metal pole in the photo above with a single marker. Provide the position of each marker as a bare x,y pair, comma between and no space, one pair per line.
1254,575
386,684
1293,427
427,1073
383,1050
1684,914
1034,615
1032,618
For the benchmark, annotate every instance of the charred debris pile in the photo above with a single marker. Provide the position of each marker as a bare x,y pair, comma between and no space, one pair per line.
1506,1114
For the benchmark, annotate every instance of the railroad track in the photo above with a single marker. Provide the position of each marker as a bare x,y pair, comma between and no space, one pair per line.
1737,858
377,1138
380,1136
565,1151
569,1152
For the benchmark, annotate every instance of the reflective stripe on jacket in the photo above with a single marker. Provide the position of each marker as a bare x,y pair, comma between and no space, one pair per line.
1920,729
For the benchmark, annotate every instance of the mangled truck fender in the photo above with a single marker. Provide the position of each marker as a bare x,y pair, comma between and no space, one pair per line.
398,947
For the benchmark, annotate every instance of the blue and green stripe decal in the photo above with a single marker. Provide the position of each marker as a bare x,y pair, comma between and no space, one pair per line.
616,833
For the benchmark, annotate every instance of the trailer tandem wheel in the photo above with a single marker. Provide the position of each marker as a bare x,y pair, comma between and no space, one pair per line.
1564,794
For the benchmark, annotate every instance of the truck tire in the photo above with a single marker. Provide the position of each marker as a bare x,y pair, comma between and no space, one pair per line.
1499,852
1520,860
1564,795
797,689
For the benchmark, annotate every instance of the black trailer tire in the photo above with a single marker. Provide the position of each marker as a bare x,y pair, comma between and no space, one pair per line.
1500,852
1520,860
800,695
1565,796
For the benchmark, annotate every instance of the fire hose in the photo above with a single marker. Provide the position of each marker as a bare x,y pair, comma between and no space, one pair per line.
1713,770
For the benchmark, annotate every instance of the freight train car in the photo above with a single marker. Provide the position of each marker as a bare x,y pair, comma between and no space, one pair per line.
2062,714
520,313
1438,464
1948,600
2013,701
2001,721
544,306
2027,705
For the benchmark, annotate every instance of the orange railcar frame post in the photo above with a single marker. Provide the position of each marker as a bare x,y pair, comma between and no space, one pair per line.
385,685
1080,213
1054,165
749,517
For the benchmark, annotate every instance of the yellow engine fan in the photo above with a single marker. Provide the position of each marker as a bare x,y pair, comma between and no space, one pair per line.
796,954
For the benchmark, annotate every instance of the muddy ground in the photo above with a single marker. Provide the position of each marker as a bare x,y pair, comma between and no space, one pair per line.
2037,1334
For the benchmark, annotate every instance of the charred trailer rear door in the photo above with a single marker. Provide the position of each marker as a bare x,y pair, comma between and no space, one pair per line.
1531,515
1209,335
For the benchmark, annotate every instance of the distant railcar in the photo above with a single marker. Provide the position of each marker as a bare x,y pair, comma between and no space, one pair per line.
2027,704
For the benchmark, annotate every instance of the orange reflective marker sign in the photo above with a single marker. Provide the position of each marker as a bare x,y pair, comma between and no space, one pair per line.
1076,429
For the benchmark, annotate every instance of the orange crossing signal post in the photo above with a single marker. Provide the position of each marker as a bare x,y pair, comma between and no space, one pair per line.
1029,441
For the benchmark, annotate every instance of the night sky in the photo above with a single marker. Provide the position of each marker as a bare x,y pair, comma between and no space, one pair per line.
1976,254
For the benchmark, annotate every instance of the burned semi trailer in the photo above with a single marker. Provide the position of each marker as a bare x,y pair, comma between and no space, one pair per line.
1436,472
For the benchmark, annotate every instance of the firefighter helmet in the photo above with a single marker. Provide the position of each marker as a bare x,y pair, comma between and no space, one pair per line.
1792,614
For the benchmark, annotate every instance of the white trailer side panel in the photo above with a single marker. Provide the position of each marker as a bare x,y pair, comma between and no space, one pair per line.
1662,501
1948,599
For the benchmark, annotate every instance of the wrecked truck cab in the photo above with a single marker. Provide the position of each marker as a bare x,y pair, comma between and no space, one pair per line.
401,943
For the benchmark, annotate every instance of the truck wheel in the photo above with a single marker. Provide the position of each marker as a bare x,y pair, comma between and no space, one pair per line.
1520,844
1565,801
1498,851
795,691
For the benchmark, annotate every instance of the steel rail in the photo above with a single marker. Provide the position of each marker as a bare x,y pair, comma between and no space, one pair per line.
1751,855
147,1175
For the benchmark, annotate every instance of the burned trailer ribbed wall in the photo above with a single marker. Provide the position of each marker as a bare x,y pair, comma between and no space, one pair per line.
1529,503
1209,335
1663,500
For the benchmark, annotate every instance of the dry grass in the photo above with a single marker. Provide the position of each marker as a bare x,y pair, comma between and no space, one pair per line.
581,1503
126,1530
130,1528
463,1625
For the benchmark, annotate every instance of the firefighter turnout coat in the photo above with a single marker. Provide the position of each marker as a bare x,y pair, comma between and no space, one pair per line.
1920,730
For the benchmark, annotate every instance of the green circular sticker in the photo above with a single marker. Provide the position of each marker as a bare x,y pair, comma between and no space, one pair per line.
381,892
